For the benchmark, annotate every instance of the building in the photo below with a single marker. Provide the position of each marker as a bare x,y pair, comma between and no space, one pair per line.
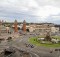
40,28
43,28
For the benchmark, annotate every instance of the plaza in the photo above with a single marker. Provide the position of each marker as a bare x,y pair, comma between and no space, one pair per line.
26,43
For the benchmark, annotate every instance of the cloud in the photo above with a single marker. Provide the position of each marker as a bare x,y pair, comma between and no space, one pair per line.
46,11
31,10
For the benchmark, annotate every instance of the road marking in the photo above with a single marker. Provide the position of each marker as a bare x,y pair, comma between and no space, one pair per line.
30,55
35,54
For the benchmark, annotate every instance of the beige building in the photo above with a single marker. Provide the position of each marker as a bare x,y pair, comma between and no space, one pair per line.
54,29
3,29
40,28
43,28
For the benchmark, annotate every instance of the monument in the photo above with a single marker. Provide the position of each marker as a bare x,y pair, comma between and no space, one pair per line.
15,26
48,38
24,26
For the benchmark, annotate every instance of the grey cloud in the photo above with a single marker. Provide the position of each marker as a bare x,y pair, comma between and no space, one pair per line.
15,9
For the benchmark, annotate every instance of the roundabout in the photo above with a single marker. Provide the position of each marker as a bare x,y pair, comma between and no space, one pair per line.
36,41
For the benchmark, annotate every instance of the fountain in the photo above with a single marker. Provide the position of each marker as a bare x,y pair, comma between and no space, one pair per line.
47,38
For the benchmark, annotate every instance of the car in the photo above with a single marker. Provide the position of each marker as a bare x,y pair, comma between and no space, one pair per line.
9,38
32,46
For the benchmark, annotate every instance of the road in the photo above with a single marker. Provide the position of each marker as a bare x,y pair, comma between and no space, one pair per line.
36,51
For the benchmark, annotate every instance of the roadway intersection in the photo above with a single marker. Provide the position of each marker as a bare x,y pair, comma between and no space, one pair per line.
37,51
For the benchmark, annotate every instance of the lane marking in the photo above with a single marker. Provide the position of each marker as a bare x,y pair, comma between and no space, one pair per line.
35,54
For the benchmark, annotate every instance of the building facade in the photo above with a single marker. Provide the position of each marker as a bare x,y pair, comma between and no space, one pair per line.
43,28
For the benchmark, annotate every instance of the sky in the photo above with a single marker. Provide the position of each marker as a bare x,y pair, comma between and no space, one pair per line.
30,10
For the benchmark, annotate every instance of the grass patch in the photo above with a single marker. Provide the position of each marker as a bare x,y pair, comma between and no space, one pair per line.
34,41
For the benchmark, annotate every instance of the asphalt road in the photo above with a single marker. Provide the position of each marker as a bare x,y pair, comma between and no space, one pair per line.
35,52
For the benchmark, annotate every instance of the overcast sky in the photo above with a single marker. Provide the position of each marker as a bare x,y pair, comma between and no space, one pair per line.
30,10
